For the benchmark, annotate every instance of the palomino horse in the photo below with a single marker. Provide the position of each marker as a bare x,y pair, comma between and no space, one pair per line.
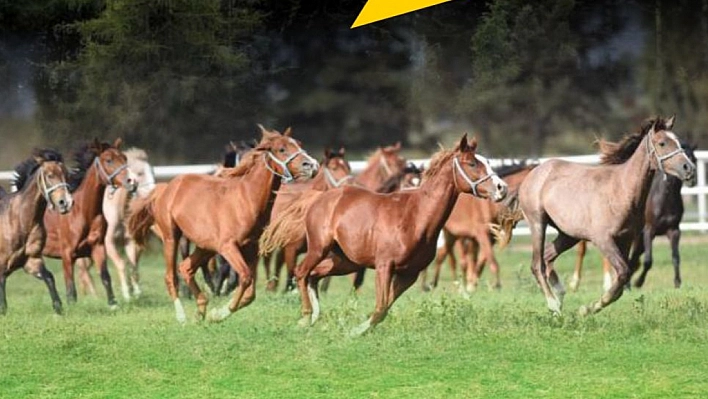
334,172
81,232
224,215
115,204
478,220
39,180
395,234
663,214
603,204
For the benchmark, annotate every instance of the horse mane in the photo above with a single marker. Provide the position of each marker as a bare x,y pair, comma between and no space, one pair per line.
248,160
438,160
617,153
83,157
516,166
25,169
374,155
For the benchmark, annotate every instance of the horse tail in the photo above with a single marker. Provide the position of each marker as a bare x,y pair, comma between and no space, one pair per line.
141,217
288,227
509,215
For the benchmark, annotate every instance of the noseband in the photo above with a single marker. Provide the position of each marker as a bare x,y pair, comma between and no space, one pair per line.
332,181
47,191
287,175
651,149
109,178
457,168
385,166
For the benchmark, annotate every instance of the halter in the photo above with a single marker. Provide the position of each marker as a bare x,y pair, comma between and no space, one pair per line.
456,167
332,181
385,166
651,149
47,191
287,175
109,178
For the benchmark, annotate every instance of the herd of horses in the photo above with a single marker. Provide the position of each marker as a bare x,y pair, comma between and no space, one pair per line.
271,200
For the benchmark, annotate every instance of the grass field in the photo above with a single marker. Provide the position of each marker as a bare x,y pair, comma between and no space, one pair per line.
650,344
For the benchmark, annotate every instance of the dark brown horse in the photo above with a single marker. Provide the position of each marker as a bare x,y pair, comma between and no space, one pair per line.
81,232
395,234
603,204
224,215
474,219
40,181
663,215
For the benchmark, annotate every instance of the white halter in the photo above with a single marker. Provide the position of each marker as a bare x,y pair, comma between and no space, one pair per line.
109,178
332,181
473,184
287,175
47,191
651,149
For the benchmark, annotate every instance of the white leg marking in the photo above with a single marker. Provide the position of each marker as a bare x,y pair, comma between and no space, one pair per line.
315,304
607,281
179,312
361,328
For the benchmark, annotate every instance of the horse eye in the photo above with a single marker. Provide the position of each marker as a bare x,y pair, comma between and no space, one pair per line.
109,162
282,150
661,144
50,175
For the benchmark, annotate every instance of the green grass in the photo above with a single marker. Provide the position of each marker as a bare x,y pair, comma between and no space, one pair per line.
650,344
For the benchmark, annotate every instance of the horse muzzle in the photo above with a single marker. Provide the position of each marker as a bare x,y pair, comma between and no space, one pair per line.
63,205
500,189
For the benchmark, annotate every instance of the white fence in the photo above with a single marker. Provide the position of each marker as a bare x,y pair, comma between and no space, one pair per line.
695,218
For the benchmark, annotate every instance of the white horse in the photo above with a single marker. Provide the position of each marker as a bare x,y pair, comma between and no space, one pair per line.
115,204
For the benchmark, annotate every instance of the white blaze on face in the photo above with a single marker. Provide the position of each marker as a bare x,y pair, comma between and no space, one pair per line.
498,182
673,137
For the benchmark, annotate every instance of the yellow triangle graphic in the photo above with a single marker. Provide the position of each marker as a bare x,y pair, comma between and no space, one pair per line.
377,10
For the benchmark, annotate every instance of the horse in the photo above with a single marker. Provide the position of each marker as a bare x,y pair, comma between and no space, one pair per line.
395,234
114,207
80,233
663,214
224,215
335,172
603,203
478,221
40,181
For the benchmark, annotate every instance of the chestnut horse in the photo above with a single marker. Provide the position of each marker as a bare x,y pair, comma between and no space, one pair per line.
395,234
663,214
224,215
39,180
475,219
81,232
603,204
335,172
115,204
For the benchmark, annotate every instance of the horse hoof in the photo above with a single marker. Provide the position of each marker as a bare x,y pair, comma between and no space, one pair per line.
219,314
113,307
584,311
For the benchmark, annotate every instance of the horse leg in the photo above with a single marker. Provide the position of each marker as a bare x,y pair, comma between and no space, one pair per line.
487,254
98,254
538,264
271,280
561,244
207,268
169,250
582,248
290,258
470,260
133,251
384,274
648,236
617,256
637,251
3,294
358,279
85,278
188,268
674,238
315,255
36,267
446,250
113,254
246,276
67,263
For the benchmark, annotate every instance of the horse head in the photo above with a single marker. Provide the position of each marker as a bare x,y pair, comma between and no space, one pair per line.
473,174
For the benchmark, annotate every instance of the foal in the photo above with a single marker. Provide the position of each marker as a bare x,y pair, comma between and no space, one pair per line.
40,181
603,204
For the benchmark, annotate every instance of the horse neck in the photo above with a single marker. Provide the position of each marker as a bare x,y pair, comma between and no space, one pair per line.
88,198
636,174
319,182
261,186
371,178
436,199
32,204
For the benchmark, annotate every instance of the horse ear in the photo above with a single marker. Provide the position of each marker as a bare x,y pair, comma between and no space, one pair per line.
462,146
288,132
328,153
117,143
473,144
653,129
670,122
341,152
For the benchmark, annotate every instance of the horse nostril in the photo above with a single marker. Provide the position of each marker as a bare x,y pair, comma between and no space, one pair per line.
686,167
61,203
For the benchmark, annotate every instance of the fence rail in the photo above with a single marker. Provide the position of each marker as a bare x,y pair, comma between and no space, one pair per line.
695,219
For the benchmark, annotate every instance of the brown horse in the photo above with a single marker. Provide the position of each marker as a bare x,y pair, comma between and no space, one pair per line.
474,218
335,172
224,215
39,180
663,215
603,204
395,234
82,231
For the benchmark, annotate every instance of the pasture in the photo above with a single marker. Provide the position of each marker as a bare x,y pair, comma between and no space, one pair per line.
650,344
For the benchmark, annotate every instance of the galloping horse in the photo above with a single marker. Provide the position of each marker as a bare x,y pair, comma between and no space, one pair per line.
604,204
40,180
81,232
334,172
474,219
663,214
395,234
115,204
224,215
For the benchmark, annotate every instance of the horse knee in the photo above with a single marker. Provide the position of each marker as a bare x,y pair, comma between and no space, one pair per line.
623,277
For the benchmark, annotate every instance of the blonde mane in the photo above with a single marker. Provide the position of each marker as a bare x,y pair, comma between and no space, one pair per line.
438,160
